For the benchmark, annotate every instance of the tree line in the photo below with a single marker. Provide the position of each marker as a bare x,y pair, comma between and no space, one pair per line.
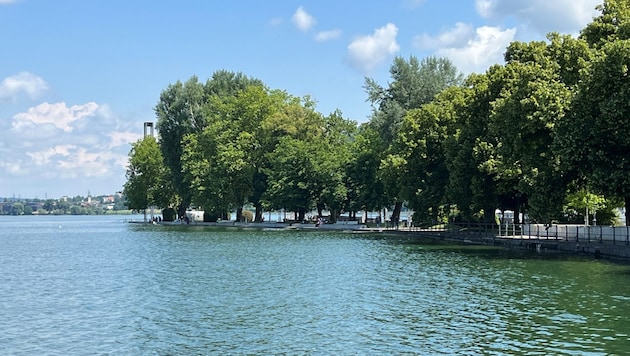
546,133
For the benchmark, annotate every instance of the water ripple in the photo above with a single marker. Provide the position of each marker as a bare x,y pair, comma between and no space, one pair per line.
127,289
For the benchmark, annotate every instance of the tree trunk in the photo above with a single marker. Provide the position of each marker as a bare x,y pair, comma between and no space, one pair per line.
259,213
181,211
626,202
396,212
333,216
489,216
239,214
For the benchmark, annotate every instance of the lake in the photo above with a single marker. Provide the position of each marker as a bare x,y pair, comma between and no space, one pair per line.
84,285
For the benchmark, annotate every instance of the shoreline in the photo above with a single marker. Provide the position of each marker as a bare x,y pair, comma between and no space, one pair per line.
618,252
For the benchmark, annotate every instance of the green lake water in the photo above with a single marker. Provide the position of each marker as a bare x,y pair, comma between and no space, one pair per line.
98,285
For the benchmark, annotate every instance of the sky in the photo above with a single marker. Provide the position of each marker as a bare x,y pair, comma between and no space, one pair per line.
79,78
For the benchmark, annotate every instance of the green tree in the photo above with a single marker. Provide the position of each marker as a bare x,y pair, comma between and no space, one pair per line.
472,188
28,210
594,138
413,84
182,110
147,178
421,147
523,118
611,25
335,147
365,189
17,209
298,150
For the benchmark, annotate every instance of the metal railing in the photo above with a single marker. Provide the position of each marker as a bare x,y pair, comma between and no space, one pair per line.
574,233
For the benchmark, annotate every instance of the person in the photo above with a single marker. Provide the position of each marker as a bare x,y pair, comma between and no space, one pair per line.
377,220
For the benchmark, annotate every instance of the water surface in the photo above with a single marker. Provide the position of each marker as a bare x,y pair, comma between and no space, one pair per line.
93,285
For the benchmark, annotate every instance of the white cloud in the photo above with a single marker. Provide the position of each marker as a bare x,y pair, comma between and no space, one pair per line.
22,83
470,50
57,114
14,167
81,162
542,16
323,36
123,138
57,143
457,37
303,20
367,52
43,157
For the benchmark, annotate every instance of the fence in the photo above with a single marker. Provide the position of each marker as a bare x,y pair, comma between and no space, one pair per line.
575,233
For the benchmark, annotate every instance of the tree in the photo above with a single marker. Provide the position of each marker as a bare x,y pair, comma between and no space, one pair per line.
472,188
334,155
414,84
594,138
298,150
365,189
182,110
147,177
421,146
17,209
611,25
179,112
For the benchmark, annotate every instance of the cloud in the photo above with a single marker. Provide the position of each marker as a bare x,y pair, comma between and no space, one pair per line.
303,20
471,50
367,52
123,138
57,114
14,167
43,157
459,36
323,36
81,162
542,16
54,141
77,147
22,83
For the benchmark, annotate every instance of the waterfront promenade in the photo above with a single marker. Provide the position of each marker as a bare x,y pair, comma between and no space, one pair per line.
597,241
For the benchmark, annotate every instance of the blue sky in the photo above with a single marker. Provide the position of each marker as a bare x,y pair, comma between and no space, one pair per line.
78,78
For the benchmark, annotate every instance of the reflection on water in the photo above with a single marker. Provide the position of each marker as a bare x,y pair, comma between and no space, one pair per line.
86,285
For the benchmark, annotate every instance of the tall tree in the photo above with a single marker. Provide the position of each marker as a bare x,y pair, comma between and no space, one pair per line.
413,84
594,138
365,189
179,113
421,145
147,177
182,110
611,25
472,188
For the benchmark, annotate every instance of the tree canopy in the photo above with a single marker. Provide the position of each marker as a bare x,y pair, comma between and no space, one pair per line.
535,134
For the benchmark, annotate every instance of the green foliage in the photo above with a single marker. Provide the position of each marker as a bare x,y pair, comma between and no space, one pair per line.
529,134
414,84
147,177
